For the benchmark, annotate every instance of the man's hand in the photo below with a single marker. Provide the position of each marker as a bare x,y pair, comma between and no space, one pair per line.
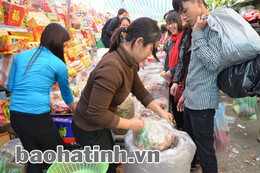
201,23
180,105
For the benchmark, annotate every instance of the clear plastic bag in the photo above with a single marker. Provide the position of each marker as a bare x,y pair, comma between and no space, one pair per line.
246,108
157,134
231,26
177,159
221,130
7,151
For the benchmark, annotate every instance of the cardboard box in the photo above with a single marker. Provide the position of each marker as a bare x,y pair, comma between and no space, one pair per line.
12,43
15,15
28,34
38,21
4,137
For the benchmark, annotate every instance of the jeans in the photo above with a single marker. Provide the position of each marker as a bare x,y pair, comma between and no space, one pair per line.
199,124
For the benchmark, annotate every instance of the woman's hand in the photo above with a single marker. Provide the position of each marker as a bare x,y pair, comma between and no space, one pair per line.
174,89
167,116
136,124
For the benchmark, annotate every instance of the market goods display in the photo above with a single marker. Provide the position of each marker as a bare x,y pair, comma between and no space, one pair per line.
157,134
7,151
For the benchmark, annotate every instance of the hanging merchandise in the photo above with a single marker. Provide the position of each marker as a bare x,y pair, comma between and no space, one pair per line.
231,26
246,108
241,80
221,130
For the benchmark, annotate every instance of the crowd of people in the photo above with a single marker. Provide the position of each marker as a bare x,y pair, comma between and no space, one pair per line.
193,56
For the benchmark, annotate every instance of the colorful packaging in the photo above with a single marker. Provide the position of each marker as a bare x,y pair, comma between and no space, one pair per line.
1,13
12,44
37,32
28,34
38,21
4,111
52,16
15,15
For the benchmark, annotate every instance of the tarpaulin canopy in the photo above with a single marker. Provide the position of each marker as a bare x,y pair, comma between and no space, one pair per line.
154,9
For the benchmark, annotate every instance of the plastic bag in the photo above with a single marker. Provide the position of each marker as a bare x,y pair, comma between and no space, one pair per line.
241,80
221,130
240,42
246,108
177,159
157,134
7,151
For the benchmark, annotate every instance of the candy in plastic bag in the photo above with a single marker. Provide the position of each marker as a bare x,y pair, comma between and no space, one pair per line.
157,134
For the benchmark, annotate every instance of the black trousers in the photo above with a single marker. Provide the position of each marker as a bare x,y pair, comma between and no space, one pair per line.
103,138
199,124
178,116
35,132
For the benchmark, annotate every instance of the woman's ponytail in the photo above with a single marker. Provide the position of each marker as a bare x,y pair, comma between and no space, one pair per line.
115,39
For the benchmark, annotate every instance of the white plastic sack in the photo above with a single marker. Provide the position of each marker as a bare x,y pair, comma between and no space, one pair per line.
176,159
240,42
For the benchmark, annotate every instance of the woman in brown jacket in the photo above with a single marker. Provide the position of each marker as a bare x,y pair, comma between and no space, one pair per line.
114,77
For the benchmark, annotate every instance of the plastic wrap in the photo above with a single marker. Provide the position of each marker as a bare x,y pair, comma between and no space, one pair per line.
157,134
156,85
246,108
241,80
7,151
240,42
177,159
57,103
221,130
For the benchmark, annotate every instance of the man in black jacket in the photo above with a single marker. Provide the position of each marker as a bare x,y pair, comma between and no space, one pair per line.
111,25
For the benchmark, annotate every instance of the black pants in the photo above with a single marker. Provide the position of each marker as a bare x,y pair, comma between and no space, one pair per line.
35,132
103,138
178,116
199,124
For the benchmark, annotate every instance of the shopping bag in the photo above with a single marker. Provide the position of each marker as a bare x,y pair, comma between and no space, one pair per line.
221,130
246,108
240,42
241,80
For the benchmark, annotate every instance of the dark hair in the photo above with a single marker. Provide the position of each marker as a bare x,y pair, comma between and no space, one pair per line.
121,11
164,16
176,18
53,38
163,28
177,4
122,19
141,27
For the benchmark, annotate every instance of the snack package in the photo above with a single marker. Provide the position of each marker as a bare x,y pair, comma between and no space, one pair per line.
157,134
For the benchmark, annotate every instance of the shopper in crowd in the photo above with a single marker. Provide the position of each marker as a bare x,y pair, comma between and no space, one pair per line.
114,77
124,22
33,74
163,30
201,95
110,26
174,26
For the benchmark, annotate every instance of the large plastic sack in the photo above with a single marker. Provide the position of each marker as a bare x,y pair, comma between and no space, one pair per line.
241,80
221,130
246,108
240,42
177,159
157,134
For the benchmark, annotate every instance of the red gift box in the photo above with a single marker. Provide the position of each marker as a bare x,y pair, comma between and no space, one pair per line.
15,15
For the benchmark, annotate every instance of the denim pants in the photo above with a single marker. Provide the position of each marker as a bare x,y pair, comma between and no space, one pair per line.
199,124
